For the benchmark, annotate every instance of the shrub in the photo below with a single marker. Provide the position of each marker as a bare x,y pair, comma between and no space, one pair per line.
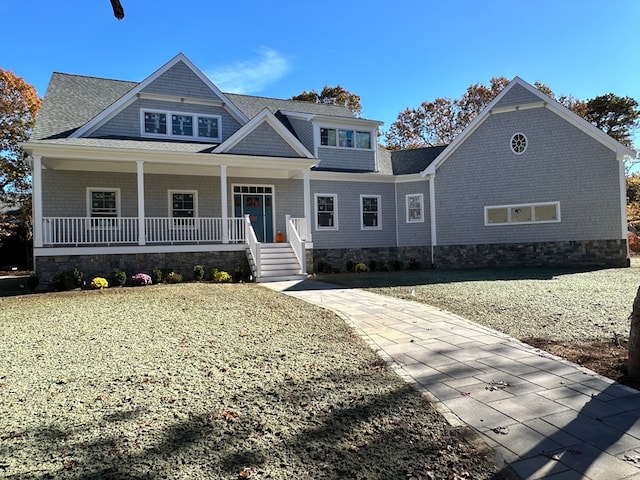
118,278
324,267
67,280
396,264
140,279
99,283
198,273
360,268
414,264
32,282
350,266
173,277
376,266
240,275
221,277
157,275
634,242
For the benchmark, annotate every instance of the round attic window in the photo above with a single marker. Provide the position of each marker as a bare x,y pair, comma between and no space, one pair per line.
518,143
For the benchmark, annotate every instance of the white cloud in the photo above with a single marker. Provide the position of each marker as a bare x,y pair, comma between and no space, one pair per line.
251,76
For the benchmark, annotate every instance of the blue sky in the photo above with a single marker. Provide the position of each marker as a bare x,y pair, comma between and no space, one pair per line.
394,54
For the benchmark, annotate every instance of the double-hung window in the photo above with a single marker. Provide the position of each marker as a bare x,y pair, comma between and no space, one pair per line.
103,205
370,213
345,138
166,124
183,208
414,208
326,211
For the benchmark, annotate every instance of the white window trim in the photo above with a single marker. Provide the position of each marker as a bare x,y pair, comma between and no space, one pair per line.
108,223
526,143
176,224
509,207
335,210
406,199
169,113
362,225
372,137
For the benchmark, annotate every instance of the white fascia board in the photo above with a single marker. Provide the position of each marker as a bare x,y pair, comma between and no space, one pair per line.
475,123
346,122
332,120
127,155
547,102
131,96
264,116
352,177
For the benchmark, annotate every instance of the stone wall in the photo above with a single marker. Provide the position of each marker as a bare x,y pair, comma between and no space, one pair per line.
103,265
418,257
593,253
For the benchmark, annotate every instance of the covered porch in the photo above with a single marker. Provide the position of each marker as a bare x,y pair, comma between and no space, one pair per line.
142,183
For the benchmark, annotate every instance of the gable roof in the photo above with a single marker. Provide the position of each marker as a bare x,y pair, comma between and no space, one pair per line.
503,102
265,116
130,96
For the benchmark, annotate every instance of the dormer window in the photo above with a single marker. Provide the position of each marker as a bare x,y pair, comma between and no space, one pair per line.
345,138
154,124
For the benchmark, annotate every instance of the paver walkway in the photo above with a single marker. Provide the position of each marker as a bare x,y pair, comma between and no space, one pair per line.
545,417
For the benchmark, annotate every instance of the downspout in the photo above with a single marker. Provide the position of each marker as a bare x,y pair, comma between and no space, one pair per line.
432,215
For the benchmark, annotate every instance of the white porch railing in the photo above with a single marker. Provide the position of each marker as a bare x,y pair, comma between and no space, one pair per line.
296,240
89,230
300,226
124,230
254,245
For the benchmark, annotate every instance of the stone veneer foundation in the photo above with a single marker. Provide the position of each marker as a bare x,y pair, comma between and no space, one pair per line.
104,264
593,253
588,253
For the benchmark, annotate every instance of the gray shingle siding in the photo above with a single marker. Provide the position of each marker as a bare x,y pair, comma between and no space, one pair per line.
157,193
65,192
180,81
346,159
264,141
561,163
413,234
518,95
349,233
127,122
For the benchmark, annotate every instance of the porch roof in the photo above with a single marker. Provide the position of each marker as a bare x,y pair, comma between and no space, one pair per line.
117,155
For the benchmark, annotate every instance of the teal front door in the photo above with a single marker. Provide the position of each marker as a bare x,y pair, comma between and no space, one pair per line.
260,210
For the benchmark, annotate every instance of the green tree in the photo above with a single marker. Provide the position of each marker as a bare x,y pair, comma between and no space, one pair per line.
616,116
334,96
19,105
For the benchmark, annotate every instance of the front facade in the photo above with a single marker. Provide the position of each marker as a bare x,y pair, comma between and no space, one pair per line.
172,172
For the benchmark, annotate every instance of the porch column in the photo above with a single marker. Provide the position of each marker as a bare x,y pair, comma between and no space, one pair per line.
432,214
36,200
141,223
224,204
307,202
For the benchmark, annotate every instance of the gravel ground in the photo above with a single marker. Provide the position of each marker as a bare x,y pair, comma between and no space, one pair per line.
208,381
552,304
